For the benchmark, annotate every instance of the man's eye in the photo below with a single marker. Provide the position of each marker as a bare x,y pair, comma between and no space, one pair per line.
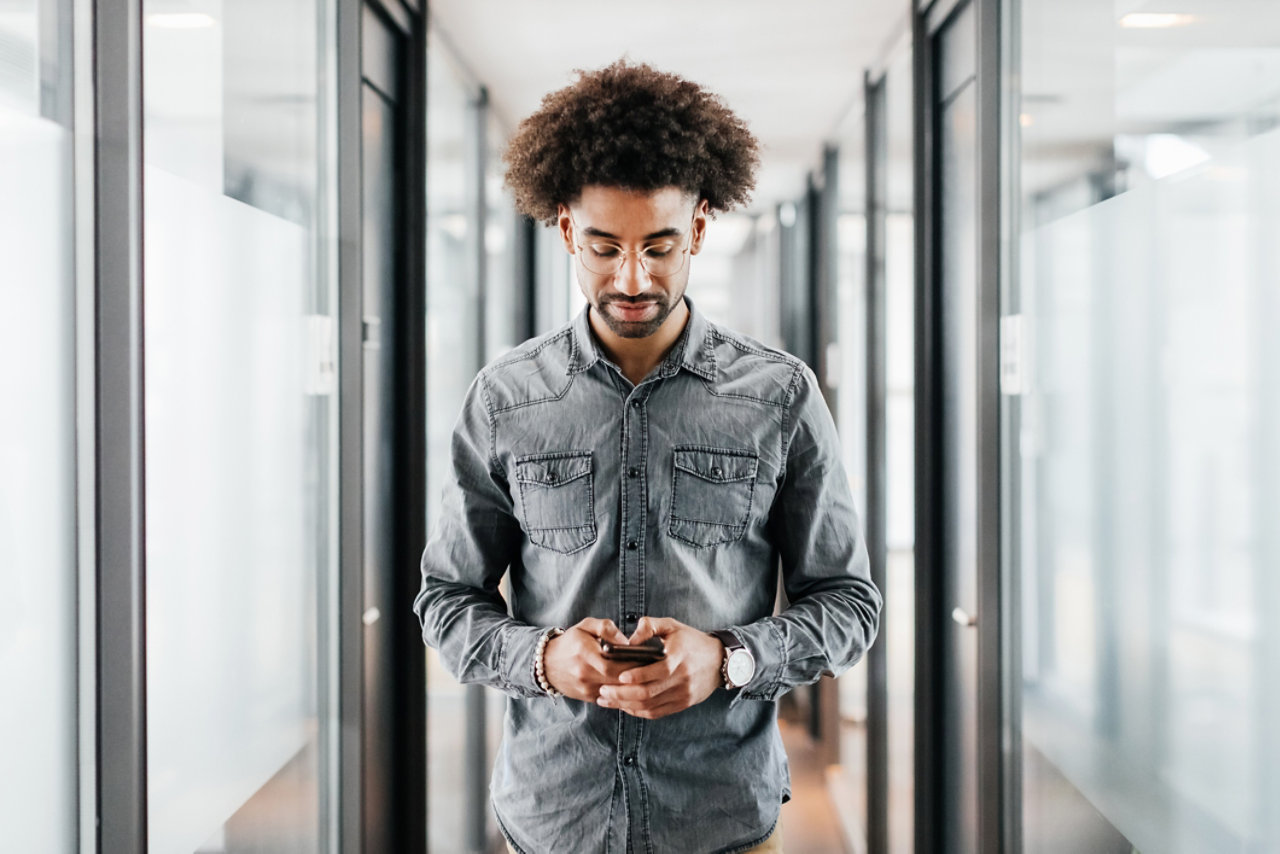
656,252
603,250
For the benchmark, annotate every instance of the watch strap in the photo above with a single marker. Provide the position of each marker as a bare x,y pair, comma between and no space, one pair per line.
728,638
731,645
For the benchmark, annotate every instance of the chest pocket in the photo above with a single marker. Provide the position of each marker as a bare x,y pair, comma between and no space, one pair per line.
711,494
557,492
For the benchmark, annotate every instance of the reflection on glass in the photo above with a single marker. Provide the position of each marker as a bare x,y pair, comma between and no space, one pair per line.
505,311
898,632
453,319
1149,263
239,395
37,440
754,275
848,374
454,329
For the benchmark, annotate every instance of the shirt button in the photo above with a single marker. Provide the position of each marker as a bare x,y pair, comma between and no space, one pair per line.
630,760
715,471
632,545
633,472
632,618
635,404
551,477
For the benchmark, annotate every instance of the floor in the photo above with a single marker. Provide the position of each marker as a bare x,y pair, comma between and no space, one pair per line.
809,821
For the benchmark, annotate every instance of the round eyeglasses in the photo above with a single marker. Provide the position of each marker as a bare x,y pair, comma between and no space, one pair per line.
660,259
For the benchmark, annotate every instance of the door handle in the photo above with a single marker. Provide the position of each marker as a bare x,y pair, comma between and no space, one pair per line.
963,617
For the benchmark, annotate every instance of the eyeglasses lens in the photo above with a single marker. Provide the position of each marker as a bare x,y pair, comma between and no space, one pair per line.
606,259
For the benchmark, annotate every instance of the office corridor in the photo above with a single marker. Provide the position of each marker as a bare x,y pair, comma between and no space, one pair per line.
253,256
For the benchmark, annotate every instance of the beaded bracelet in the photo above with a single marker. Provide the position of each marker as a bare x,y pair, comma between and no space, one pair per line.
539,661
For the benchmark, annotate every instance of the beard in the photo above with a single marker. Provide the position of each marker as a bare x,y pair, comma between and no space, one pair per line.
636,328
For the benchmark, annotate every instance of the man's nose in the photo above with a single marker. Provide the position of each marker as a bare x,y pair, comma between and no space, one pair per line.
632,278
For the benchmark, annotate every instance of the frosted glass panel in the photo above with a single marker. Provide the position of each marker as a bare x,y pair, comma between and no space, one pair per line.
1150,443
37,484
240,405
230,569
1156,652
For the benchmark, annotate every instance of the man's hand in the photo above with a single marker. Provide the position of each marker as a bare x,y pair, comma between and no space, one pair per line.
573,664
687,676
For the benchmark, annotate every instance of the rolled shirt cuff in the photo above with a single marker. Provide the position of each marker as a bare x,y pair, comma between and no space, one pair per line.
519,643
765,641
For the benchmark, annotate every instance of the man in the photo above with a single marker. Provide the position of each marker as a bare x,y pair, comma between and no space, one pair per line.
642,472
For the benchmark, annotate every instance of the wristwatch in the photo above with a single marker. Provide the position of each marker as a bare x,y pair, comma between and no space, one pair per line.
739,665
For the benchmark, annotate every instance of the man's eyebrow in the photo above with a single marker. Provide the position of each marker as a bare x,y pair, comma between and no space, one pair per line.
591,231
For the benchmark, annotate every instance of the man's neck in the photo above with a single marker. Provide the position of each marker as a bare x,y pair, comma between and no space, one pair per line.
638,356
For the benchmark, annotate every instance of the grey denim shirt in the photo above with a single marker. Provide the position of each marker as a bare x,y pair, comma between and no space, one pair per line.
680,497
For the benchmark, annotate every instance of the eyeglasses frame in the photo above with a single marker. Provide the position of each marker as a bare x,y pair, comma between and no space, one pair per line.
623,253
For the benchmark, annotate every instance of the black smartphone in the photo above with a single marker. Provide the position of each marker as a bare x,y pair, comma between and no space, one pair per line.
643,653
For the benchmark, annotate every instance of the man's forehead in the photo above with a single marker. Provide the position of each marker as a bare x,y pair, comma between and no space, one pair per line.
633,214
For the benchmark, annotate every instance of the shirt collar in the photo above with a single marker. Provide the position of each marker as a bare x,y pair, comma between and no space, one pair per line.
693,350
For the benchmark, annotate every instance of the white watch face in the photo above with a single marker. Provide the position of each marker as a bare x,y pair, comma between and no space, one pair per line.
740,667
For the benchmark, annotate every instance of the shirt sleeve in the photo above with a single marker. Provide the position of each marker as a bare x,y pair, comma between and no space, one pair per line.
833,608
459,605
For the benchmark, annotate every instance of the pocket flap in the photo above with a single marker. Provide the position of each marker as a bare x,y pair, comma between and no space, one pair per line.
717,466
553,469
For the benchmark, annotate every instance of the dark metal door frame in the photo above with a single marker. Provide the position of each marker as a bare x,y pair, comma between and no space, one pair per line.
996,680
402,820
821,323
875,521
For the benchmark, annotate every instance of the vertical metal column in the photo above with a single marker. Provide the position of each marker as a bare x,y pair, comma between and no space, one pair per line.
875,149
824,330
526,271
409,522
120,495
994,683
928,766
1011,432
826,270
476,753
350,427
811,282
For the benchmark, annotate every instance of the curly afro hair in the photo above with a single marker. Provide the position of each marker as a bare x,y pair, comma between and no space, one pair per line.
630,125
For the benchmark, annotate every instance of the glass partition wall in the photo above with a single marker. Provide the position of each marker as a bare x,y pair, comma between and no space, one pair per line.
455,262
898,283
477,309
38,530
240,401
1147,464
846,377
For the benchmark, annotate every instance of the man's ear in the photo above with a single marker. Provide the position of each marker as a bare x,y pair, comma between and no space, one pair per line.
701,215
566,228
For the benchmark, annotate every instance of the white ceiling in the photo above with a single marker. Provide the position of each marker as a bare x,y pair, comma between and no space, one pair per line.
792,70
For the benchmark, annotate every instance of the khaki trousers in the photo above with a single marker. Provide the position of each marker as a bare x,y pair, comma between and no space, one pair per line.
772,845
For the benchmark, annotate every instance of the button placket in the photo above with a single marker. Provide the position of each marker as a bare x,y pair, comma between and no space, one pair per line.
632,527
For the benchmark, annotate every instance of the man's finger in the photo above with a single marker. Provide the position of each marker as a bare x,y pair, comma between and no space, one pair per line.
652,714
624,695
603,628
658,707
655,672
648,627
